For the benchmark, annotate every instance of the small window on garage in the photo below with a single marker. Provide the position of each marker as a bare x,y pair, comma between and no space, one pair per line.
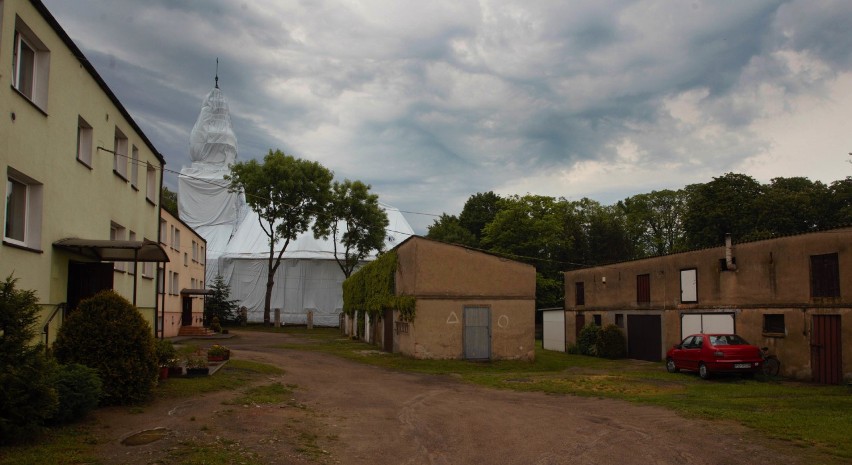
597,320
643,289
774,324
825,276
619,320
689,285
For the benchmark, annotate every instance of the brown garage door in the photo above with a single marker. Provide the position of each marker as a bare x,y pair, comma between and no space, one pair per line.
644,337
826,364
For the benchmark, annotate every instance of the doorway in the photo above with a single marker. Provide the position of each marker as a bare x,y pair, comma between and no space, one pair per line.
86,279
477,333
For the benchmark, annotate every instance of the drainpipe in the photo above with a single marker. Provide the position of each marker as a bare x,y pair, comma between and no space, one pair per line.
729,258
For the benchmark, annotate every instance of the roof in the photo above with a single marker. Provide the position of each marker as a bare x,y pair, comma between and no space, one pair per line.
114,251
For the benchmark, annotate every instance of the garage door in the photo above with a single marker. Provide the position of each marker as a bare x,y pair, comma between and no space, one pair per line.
553,330
644,337
708,323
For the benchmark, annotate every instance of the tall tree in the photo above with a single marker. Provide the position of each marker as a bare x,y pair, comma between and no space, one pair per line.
655,221
355,219
287,193
727,204
791,206
169,201
479,210
447,229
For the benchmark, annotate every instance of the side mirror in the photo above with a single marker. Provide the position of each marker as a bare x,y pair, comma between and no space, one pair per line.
678,346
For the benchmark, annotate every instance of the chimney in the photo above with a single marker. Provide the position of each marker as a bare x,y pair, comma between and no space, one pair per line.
729,257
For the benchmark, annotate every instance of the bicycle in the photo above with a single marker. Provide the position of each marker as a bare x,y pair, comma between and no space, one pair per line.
771,364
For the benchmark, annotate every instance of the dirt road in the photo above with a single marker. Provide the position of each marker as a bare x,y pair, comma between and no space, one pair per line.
347,413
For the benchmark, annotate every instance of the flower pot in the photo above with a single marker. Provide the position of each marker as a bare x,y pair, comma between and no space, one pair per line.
175,371
164,372
216,358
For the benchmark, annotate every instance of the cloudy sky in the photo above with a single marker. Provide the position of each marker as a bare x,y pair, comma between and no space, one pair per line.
431,102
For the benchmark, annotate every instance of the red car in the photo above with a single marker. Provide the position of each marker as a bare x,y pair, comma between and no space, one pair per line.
714,353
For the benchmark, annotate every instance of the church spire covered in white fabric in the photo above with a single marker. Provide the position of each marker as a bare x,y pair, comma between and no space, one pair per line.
204,202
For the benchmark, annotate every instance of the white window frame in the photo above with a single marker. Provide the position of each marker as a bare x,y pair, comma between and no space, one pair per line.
151,184
36,90
134,167
116,233
84,142
119,156
164,235
30,218
689,286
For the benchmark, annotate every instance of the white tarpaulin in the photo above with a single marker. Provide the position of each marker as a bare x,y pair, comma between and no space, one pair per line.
308,279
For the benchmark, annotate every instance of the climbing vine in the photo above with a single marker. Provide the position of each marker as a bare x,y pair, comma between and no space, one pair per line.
371,290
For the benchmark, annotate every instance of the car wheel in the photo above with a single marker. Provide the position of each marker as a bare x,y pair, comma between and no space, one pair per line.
670,366
703,372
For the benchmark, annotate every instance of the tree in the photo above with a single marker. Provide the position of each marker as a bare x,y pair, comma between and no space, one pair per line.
448,229
655,221
169,201
27,396
479,210
728,204
287,193
792,206
218,303
355,219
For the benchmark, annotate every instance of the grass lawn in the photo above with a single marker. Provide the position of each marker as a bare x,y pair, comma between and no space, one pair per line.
812,416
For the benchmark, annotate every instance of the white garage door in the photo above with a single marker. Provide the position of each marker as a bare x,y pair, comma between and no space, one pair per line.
706,323
553,330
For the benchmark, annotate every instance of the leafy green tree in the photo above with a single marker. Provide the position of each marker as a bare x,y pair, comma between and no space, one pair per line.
728,204
791,206
218,303
447,229
169,201
840,203
27,396
655,221
356,220
287,193
479,210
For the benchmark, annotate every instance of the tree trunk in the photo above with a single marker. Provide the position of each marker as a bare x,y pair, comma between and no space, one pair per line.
267,301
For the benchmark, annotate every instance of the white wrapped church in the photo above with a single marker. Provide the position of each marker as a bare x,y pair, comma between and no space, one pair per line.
308,280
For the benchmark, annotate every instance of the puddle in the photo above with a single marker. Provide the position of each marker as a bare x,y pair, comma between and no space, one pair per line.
145,437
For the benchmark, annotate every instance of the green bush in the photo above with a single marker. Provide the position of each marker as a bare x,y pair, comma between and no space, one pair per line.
107,333
79,390
27,397
218,303
587,339
573,349
166,352
611,343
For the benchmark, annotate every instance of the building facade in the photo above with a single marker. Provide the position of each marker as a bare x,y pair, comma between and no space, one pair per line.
181,285
82,181
791,294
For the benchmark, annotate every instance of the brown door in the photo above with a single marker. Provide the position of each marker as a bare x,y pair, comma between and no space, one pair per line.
86,279
826,362
644,337
186,311
388,340
579,322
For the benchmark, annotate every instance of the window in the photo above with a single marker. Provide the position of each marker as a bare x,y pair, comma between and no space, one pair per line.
185,259
161,280
84,142
643,289
597,320
619,320
30,65
134,167
201,254
23,210
119,156
148,269
151,183
163,235
194,251
175,286
131,266
171,283
825,276
176,239
774,323
116,233
689,285
579,294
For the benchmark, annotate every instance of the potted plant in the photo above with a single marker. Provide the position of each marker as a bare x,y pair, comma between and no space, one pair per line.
166,354
196,366
218,353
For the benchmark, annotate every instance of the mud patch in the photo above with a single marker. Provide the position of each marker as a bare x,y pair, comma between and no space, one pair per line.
145,437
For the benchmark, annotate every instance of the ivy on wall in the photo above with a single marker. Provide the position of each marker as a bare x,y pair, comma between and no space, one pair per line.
371,290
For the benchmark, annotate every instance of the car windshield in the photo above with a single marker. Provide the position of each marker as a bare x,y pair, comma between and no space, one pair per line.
727,340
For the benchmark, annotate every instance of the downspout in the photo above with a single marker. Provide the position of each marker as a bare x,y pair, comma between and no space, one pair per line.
729,257
136,278
162,331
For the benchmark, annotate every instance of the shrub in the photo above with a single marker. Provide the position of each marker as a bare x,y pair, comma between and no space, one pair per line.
79,389
27,397
611,343
573,349
166,352
587,339
215,325
107,333
219,304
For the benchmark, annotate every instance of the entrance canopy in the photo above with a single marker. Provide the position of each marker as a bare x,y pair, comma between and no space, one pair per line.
114,251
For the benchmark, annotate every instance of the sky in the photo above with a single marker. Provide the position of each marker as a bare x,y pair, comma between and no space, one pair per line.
432,102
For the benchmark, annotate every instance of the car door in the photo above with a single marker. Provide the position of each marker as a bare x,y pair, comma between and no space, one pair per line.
681,355
692,352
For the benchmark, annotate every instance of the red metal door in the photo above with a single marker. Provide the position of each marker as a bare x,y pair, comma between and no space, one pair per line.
826,362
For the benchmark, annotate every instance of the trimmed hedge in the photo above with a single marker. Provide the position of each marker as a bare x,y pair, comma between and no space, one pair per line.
587,339
107,333
79,389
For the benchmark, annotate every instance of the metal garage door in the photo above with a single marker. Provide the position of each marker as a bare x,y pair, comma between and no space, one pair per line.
708,323
644,337
553,330
477,333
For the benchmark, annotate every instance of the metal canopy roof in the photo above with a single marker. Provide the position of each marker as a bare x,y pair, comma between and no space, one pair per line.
114,251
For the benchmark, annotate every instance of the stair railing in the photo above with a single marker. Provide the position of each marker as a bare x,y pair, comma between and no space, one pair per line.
46,330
